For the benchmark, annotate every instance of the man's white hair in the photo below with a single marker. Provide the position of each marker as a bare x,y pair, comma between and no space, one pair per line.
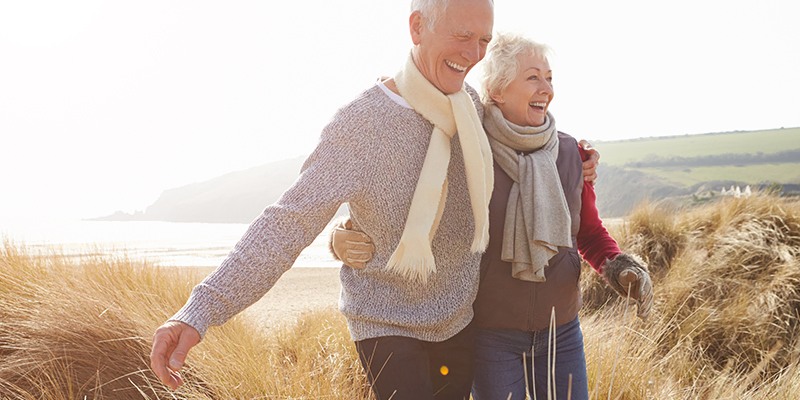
431,10
500,66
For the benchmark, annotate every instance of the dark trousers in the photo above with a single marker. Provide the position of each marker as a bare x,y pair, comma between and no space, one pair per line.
401,368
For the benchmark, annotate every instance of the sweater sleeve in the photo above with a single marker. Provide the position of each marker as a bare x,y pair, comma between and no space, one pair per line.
594,243
332,174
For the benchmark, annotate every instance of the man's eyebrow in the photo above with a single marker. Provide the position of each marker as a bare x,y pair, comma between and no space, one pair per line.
467,32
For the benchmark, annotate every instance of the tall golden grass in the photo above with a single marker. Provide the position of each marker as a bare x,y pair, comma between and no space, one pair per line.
727,291
725,323
82,328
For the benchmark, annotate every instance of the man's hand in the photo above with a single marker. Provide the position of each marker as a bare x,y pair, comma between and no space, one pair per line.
630,272
171,344
590,165
351,247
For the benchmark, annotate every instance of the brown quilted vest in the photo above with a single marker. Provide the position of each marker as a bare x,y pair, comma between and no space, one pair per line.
509,303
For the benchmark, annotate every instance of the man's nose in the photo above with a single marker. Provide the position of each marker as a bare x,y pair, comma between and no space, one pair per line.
473,52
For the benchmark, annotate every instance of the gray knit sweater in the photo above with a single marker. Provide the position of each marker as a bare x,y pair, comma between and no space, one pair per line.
370,156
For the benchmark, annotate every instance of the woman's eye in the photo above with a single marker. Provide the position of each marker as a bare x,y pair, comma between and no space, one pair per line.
533,78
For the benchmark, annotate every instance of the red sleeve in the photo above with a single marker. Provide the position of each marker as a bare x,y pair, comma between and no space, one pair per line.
594,243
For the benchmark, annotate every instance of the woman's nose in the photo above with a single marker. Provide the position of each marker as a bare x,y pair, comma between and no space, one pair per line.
546,87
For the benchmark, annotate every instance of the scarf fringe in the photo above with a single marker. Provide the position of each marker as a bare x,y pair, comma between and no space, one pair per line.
416,264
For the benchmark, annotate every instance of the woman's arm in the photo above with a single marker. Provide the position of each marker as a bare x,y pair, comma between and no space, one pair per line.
594,243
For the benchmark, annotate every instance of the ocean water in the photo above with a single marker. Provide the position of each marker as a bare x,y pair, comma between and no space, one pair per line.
164,243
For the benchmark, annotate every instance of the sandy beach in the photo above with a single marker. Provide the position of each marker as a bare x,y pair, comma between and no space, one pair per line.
298,291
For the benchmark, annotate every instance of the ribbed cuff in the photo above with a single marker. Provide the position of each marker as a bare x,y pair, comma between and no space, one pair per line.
192,315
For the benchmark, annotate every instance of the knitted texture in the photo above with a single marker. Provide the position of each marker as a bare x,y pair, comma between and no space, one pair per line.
370,155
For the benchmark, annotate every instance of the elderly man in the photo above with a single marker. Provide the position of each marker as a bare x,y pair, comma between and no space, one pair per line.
417,188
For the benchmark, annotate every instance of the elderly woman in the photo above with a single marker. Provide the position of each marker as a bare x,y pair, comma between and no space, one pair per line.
542,215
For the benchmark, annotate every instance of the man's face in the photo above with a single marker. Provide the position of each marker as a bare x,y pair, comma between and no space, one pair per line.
457,42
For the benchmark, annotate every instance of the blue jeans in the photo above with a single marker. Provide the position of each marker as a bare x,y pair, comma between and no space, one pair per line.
499,370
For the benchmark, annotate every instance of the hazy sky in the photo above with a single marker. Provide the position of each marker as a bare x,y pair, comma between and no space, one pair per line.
103,105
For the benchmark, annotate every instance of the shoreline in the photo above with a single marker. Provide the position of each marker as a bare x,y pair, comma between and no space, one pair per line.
299,291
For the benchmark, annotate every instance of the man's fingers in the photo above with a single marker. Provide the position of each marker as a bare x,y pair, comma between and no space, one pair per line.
171,344
592,161
585,145
590,167
175,379
188,338
158,358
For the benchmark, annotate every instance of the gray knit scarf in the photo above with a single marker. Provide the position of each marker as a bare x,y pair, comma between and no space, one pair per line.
537,220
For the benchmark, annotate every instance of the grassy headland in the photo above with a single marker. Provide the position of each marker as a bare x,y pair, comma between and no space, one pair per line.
725,322
621,152
679,170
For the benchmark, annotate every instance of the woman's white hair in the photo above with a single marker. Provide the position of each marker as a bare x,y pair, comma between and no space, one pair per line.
500,66
431,10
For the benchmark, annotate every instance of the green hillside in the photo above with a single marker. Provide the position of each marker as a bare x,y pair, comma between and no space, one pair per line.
620,152
677,169
752,174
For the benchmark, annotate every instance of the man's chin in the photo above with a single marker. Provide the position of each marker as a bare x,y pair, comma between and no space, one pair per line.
451,87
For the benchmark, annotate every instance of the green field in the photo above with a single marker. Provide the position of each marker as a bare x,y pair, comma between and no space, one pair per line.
752,174
768,141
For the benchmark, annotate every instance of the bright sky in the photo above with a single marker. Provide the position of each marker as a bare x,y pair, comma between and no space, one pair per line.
103,105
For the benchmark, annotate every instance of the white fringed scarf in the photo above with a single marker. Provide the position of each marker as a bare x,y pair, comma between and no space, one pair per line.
413,258
537,220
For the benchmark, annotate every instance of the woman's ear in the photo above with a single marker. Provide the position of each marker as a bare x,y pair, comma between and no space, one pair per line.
497,97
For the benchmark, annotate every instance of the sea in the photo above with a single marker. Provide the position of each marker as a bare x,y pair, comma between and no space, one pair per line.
163,243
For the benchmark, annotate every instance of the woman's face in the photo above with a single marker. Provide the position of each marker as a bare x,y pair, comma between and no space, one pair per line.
524,102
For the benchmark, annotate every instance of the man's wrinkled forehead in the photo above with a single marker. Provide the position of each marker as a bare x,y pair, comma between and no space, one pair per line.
459,21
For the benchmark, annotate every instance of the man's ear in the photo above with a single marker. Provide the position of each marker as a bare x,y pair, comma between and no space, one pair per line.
415,25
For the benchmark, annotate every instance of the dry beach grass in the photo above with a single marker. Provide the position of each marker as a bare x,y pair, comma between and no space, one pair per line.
725,324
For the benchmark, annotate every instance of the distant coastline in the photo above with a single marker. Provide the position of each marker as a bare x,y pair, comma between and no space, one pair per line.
682,171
